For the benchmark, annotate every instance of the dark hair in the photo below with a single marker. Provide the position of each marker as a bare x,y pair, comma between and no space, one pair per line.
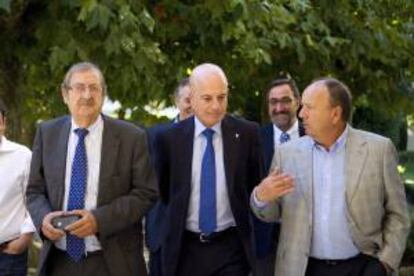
282,81
81,67
3,108
339,94
184,82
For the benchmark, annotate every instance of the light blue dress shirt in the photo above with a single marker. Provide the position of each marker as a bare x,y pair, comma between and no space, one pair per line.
331,237
224,216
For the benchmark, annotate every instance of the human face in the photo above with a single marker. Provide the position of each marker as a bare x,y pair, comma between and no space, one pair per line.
84,97
320,119
182,101
209,99
282,106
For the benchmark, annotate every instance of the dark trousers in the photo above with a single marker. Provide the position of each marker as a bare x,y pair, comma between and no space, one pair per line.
223,256
361,265
60,264
155,263
13,265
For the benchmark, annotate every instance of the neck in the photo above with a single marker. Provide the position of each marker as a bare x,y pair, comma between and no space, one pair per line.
85,122
286,127
331,137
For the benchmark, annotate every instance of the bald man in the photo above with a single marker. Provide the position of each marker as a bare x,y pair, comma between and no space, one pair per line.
205,180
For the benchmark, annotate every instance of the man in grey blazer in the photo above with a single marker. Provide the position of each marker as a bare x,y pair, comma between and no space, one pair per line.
98,169
337,192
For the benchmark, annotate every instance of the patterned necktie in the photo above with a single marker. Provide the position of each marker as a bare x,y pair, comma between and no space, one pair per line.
284,137
75,246
207,212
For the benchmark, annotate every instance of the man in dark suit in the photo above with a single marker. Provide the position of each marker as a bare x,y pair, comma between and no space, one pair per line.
98,169
283,101
207,165
154,223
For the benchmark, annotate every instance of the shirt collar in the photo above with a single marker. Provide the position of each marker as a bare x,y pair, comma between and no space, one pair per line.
294,129
199,127
92,128
339,143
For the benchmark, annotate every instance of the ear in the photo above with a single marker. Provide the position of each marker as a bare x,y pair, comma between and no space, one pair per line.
64,95
337,114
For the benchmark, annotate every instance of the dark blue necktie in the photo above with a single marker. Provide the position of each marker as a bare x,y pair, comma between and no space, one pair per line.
284,137
76,246
207,213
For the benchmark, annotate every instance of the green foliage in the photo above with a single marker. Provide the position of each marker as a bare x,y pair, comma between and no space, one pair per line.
146,47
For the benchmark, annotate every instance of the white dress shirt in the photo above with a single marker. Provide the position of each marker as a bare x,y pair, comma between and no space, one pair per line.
224,215
293,132
14,174
93,145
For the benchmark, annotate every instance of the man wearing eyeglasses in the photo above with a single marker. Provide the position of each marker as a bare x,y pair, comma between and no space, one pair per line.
283,101
91,182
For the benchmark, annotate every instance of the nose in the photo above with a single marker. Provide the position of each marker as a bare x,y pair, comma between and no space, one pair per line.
216,104
86,94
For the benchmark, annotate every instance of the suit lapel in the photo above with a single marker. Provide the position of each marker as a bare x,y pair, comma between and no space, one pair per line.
186,134
356,154
109,155
231,141
62,147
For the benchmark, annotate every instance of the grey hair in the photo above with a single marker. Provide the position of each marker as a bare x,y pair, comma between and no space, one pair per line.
82,67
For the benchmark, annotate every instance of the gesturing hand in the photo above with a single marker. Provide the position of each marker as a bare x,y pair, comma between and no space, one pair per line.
275,185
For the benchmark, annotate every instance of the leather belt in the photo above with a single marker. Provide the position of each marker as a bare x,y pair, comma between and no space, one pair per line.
330,262
213,237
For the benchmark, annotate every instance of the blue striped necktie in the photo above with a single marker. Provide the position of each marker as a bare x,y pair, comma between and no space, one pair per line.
75,246
207,212
284,137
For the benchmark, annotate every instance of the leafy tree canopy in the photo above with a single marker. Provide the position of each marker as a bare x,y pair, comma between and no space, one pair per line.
145,47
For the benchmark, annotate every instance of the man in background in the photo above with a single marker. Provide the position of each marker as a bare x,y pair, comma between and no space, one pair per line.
154,220
16,226
98,170
283,101
182,100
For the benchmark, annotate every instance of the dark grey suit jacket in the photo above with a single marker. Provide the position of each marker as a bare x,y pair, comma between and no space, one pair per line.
127,189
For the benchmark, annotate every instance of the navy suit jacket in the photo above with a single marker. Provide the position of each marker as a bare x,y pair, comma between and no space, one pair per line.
155,217
243,164
265,232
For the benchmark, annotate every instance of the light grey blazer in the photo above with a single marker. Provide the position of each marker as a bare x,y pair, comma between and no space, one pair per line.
378,216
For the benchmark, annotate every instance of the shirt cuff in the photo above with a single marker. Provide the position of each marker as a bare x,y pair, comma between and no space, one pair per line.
27,225
257,203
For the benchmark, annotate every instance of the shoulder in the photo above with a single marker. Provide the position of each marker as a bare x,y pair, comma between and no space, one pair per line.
55,123
301,144
267,129
241,123
122,127
17,148
362,136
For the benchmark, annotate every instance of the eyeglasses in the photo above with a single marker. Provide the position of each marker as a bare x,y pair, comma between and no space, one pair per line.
283,101
81,88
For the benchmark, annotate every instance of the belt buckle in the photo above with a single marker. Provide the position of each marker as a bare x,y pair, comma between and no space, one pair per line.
331,262
204,238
